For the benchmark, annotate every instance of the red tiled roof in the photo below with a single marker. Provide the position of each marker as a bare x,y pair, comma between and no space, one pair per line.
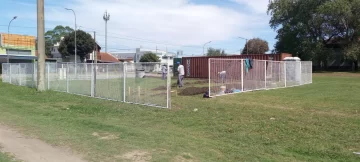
106,57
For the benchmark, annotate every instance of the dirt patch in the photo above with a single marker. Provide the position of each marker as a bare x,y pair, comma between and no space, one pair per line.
199,82
190,91
32,150
105,136
137,156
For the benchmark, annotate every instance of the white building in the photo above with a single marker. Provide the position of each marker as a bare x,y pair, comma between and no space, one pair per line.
165,57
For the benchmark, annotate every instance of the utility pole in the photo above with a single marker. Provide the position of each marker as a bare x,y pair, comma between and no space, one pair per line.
106,18
41,46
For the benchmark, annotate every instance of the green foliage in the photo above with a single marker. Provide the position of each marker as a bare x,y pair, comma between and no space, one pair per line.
54,36
84,42
352,52
256,46
309,28
215,52
149,57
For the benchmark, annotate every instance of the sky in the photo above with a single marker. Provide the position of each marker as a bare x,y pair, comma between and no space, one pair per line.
163,24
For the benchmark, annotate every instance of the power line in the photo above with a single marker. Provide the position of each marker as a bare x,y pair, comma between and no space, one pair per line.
143,40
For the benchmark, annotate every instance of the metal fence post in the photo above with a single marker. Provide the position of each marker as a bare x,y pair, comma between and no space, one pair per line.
95,78
265,74
48,75
279,72
19,75
10,72
168,85
34,74
311,72
107,71
301,81
92,80
209,61
67,77
285,72
242,75
124,81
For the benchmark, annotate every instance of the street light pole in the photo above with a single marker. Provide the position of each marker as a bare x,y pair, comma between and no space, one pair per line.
106,19
8,57
247,49
75,35
204,47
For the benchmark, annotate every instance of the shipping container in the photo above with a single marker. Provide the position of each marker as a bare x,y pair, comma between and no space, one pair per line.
197,67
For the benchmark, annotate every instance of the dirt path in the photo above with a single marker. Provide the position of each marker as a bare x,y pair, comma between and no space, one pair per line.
32,150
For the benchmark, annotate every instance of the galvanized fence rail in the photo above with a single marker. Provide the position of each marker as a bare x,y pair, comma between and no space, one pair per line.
136,83
229,76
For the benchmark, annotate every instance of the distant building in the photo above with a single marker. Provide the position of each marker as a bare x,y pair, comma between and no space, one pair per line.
17,48
135,56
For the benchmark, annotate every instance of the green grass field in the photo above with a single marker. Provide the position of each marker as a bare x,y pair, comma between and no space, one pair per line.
316,122
6,158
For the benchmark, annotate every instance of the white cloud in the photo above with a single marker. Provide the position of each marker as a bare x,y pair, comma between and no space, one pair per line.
179,22
258,6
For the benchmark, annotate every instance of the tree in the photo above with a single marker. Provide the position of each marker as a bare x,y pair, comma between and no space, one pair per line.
54,36
215,52
84,42
256,46
306,28
352,52
149,57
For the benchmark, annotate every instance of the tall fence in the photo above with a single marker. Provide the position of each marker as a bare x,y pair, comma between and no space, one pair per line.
229,76
137,83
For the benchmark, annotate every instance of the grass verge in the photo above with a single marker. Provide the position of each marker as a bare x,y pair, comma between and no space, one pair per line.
7,158
317,122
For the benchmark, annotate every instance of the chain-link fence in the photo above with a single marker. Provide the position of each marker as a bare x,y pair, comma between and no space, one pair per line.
229,76
138,83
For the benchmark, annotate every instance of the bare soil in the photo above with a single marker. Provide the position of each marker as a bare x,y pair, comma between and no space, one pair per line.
32,150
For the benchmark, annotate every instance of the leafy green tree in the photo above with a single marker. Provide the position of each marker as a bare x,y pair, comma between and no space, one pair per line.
306,27
54,36
149,57
84,42
215,52
256,46
352,52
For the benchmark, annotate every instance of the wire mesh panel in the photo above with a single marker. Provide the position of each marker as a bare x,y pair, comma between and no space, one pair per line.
56,74
228,76
293,73
144,84
139,83
225,76
79,81
306,72
254,75
275,75
109,81
6,72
